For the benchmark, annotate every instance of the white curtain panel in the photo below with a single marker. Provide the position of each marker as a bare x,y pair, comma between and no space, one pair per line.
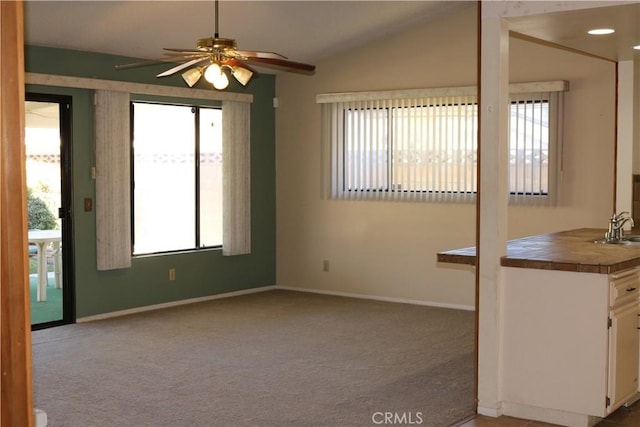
236,178
113,183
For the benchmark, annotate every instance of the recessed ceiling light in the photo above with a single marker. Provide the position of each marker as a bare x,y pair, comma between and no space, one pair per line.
637,47
601,31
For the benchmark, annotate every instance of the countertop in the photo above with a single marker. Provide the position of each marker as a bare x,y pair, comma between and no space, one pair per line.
571,250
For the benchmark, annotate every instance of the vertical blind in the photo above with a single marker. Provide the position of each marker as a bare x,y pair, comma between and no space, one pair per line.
113,201
422,145
534,136
236,178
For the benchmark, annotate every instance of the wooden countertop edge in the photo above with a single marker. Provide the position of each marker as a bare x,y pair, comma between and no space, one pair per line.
545,265
467,256
457,259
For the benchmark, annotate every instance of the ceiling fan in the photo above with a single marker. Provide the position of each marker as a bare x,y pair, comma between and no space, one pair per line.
213,56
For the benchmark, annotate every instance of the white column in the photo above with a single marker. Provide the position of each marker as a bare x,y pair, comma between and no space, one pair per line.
493,199
624,160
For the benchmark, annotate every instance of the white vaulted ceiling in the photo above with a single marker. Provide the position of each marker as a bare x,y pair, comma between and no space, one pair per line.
305,31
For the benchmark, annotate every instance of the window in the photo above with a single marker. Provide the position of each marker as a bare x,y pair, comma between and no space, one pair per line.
410,148
530,134
423,146
177,177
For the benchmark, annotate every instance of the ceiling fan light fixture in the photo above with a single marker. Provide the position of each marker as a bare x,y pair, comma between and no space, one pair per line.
214,75
242,75
212,55
192,76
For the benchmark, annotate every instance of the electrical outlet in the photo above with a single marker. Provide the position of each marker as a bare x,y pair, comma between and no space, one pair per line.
172,274
325,265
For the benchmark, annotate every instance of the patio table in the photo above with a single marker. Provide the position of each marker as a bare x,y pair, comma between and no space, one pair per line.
43,238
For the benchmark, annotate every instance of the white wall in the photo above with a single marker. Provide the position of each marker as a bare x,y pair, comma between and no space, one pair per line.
586,189
388,249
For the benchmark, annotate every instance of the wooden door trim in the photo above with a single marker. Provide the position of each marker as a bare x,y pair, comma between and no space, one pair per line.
16,385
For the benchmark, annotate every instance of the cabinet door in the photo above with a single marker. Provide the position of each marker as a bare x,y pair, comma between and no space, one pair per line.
623,355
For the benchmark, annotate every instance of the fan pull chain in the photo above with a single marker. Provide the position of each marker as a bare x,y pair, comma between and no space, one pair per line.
216,24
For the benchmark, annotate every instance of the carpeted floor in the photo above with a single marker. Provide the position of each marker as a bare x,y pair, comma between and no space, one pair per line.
274,358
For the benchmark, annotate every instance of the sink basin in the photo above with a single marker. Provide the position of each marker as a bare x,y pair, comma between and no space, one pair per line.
609,242
631,240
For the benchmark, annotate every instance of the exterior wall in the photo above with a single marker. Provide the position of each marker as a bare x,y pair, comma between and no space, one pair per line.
198,273
388,249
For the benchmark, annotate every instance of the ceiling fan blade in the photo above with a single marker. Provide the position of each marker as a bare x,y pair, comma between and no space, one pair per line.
186,54
150,62
281,64
182,67
164,59
254,54
188,51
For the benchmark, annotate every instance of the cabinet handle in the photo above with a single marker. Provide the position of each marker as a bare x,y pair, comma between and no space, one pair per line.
631,289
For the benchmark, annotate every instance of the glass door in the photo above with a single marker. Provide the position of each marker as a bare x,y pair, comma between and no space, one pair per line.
48,169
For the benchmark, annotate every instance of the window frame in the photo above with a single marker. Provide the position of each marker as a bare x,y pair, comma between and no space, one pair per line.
334,128
196,106
554,100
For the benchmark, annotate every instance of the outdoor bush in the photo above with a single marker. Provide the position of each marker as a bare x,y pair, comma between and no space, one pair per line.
40,216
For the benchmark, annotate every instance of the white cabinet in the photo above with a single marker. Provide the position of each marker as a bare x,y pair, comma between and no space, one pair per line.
623,355
570,344
623,339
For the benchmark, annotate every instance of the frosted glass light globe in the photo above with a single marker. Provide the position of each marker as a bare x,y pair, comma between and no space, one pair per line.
214,75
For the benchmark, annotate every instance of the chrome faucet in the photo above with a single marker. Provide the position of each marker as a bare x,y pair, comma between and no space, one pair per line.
616,222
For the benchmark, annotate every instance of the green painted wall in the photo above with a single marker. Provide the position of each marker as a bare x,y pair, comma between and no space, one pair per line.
198,273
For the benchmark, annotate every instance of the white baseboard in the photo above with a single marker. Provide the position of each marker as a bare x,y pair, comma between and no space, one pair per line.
172,304
489,412
379,298
40,418
547,415
264,289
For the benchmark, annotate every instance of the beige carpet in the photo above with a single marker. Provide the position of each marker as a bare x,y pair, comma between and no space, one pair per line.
274,358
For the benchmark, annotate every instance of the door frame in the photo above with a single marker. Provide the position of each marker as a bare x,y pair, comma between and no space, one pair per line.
65,212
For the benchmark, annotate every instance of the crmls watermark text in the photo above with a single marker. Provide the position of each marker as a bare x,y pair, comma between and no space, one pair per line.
397,418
